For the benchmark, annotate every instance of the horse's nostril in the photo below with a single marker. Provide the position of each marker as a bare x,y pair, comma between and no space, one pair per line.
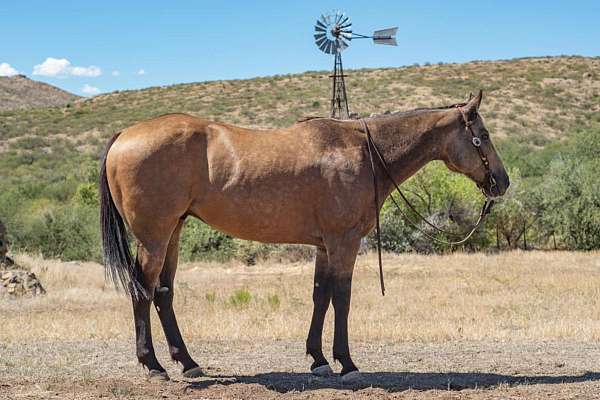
503,183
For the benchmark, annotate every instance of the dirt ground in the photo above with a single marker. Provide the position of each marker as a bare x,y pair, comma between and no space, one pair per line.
277,369
508,326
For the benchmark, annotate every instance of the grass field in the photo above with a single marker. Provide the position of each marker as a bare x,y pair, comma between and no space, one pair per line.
508,325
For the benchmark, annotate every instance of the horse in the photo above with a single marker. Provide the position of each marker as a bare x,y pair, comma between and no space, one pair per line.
311,183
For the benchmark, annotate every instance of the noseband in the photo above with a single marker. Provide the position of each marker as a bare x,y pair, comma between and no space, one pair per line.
476,141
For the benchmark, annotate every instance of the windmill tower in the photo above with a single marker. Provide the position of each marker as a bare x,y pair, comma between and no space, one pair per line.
333,33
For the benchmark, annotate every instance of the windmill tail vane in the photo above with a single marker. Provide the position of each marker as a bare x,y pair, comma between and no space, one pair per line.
333,33
385,36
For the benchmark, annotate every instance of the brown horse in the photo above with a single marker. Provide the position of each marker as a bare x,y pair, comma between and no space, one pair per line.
310,183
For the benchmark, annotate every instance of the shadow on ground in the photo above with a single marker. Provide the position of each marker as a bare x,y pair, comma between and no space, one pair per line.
284,382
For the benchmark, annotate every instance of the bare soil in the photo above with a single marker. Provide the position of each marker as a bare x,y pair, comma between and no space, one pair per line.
93,369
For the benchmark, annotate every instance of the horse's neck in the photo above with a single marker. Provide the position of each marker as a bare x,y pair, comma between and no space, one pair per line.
407,143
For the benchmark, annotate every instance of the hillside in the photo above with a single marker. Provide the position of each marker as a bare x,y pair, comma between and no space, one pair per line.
543,113
534,101
20,92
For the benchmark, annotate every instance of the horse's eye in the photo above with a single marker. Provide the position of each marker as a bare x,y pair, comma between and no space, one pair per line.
485,136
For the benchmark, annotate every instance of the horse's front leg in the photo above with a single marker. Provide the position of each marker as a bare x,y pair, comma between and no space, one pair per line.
342,256
321,299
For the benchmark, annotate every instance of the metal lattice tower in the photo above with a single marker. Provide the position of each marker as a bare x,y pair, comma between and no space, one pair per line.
333,33
339,100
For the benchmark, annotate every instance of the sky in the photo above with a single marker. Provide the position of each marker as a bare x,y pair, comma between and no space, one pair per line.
101,46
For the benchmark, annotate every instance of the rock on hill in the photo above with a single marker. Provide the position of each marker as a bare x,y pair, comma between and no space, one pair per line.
17,92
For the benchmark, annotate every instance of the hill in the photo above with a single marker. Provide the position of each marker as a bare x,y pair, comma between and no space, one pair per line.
543,113
20,92
533,101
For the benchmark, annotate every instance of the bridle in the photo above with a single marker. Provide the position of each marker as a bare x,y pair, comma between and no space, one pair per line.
374,151
476,141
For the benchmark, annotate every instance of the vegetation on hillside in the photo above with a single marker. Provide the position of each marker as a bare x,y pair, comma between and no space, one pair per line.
543,113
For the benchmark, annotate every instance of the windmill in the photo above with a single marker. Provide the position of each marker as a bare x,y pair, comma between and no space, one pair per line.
333,33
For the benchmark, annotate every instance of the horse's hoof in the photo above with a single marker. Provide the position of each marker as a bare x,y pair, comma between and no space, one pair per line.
195,372
351,377
158,376
322,371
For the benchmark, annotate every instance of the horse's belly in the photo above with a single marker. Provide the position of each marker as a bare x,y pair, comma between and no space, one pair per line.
261,218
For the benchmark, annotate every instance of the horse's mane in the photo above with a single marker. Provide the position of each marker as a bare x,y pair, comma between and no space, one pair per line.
407,113
417,111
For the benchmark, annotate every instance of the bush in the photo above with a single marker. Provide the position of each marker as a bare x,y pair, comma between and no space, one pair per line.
66,232
199,242
240,298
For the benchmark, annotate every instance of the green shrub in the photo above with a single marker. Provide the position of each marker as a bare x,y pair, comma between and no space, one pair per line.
69,232
274,301
200,242
240,298
210,297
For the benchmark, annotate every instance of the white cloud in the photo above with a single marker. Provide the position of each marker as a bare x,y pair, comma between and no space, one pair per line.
141,72
61,67
116,73
91,71
7,70
87,89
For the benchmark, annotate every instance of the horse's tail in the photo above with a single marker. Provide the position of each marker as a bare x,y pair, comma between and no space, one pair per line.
119,264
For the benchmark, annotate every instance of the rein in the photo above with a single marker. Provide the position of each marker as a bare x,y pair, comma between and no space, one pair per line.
373,149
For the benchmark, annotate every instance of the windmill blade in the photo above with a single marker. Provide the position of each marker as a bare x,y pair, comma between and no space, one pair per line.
338,17
343,22
320,25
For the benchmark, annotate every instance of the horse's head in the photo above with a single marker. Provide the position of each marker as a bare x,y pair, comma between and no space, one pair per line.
470,151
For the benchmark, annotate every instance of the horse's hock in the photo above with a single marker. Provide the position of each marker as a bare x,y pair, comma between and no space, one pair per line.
15,281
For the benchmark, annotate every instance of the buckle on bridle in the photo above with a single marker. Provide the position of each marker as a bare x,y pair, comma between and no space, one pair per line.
476,141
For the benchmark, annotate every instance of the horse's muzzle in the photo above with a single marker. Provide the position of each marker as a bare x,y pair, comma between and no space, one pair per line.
498,184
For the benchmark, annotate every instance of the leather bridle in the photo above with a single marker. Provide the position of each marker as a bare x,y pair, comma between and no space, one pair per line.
374,153
476,141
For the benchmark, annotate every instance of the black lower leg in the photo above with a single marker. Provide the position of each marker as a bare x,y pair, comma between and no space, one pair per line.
163,301
143,335
314,347
321,300
341,304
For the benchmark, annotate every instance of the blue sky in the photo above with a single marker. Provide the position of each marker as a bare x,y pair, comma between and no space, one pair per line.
111,45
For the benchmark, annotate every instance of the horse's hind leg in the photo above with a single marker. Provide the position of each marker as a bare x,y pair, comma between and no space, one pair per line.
163,301
149,261
321,299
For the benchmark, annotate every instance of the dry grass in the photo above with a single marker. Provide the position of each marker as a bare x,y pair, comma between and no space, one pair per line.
508,296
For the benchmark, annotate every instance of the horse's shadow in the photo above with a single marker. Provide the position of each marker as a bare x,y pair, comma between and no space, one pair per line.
284,382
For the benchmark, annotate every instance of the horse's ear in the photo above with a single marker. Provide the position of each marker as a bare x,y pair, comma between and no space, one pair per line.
474,102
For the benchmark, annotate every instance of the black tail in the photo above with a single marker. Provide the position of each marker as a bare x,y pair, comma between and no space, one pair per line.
119,264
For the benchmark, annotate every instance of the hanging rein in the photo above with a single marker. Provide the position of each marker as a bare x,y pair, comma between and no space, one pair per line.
375,154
